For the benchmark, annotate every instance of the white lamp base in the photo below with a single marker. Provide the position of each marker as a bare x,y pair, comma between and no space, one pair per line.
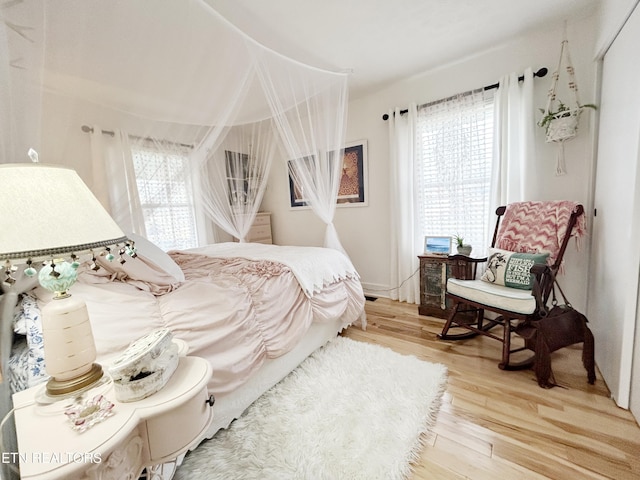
69,347
58,403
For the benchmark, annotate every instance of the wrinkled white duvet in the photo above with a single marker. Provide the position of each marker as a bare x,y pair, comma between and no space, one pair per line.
233,311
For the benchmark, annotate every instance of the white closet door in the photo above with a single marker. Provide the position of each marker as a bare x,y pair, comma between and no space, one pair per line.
615,255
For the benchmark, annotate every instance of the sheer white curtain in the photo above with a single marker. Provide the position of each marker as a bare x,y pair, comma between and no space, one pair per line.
180,71
318,177
455,139
113,179
21,62
441,157
163,175
233,175
21,70
312,130
514,175
405,233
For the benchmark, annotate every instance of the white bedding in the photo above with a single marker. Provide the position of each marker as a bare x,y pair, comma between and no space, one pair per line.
314,267
238,314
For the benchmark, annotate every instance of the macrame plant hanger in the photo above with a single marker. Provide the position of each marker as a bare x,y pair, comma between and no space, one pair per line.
561,119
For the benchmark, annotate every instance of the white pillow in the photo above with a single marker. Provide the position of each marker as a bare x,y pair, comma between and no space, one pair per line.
157,256
512,269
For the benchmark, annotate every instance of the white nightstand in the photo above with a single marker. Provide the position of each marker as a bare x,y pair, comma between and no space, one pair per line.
140,434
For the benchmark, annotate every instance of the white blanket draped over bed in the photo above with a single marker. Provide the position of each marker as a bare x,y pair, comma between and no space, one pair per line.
314,267
236,311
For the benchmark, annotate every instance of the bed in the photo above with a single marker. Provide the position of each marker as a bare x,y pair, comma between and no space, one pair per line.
253,311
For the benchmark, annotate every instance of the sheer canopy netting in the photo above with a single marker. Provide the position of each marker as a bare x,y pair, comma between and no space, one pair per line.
175,71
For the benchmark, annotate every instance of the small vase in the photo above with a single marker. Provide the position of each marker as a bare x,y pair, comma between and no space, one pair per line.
465,250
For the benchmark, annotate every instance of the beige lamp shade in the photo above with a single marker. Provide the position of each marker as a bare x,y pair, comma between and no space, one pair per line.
48,210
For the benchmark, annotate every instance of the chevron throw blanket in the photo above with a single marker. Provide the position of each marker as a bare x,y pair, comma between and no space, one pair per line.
538,227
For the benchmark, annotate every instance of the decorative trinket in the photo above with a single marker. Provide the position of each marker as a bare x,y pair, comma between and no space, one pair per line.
85,415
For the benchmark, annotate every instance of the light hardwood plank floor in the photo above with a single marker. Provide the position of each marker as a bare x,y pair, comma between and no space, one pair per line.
496,424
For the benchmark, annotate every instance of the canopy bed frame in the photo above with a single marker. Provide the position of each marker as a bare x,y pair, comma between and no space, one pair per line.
177,79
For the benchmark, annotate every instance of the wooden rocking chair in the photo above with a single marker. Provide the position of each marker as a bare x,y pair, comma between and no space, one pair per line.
526,227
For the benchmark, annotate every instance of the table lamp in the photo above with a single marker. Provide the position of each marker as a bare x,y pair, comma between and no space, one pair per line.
50,216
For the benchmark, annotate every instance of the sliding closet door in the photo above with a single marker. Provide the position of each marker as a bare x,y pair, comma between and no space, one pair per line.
615,254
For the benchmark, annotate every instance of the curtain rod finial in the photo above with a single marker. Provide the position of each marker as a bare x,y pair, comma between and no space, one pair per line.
385,116
541,72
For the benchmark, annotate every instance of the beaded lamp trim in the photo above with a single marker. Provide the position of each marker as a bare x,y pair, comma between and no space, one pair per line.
48,252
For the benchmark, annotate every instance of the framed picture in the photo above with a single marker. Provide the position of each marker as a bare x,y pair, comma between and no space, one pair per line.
296,192
352,190
237,171
354,175
437,245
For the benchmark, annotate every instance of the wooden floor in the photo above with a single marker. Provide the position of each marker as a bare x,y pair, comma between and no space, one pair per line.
495,424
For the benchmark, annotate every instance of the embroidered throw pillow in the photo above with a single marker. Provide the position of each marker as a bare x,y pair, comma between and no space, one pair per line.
511,269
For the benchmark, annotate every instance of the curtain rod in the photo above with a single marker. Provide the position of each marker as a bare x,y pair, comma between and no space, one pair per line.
540,73
88,129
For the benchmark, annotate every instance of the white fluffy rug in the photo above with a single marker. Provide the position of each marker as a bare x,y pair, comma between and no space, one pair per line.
352,410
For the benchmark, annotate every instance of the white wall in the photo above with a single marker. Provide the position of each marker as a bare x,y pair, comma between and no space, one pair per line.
364,231
613,14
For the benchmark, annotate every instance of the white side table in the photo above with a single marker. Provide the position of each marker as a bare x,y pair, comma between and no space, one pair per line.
140,434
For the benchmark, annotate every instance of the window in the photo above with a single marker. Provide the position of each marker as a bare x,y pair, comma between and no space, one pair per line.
453,171
166,196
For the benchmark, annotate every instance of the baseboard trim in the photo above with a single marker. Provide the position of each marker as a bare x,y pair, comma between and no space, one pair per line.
376,290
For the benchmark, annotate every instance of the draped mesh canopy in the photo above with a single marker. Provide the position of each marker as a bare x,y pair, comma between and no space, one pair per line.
168,91
175,74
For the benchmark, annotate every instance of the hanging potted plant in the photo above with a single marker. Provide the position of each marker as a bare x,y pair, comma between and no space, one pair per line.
562,123
560,119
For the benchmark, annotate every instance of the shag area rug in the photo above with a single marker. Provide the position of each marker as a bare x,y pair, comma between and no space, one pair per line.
352,410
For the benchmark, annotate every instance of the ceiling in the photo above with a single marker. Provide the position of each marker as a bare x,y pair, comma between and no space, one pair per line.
382,41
